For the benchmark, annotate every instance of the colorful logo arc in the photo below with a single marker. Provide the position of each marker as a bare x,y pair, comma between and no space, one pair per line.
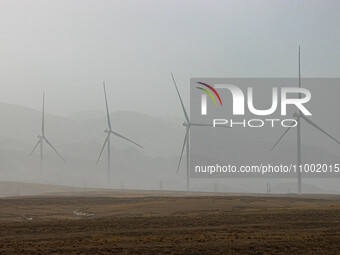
209,93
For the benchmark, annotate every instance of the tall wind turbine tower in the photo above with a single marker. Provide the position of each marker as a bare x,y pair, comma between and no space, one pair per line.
298,116
298,137
41,139
108,132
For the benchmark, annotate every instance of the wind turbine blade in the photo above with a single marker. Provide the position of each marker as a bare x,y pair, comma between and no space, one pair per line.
107,108
317,127
207,125
284,133
115,133
36,145
102,149
180,159
180,98
299,70
54,149
43,115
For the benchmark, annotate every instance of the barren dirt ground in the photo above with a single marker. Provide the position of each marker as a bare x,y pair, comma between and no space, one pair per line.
128,224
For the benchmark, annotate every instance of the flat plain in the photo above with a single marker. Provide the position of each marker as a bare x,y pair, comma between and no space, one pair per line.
147,222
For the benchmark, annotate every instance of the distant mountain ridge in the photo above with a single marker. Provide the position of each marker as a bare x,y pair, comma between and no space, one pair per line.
79,138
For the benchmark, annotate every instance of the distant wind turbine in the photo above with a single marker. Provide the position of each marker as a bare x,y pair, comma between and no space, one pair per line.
108,132
42,138
186,142
298,116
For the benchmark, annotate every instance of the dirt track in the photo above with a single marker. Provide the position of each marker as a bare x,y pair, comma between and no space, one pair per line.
170,225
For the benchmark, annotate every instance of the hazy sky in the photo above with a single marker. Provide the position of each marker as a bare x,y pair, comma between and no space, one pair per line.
68,47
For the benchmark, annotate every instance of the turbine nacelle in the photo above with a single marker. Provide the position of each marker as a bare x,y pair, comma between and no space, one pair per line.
296,115
186,124
107,131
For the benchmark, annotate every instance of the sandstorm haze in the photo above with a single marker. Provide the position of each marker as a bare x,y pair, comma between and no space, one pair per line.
67,48
139,204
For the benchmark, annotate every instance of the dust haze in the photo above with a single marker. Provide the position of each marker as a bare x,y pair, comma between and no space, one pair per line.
67,49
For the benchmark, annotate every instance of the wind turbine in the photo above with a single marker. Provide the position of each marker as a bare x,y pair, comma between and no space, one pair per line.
42,138
108,132
298,116
187,124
